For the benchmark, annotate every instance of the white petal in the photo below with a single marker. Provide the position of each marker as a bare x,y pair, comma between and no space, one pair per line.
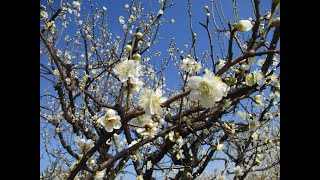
194,82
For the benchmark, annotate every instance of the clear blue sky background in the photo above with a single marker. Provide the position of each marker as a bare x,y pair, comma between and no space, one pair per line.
178,30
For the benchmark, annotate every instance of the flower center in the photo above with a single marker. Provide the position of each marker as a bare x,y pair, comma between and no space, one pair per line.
85,148
110,121
205,89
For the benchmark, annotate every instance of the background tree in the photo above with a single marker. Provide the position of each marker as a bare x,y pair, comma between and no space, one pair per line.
122,103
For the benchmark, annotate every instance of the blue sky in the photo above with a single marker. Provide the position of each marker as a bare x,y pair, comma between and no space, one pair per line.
178,30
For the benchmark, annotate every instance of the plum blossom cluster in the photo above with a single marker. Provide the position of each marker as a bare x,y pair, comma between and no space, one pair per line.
127,69
208,90
253,78
190,65
84,145
151,101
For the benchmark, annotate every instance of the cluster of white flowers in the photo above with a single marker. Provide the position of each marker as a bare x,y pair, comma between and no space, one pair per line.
253,78
208,89
76,5
136,85
151,100
110,121
190,65
84,146
126,69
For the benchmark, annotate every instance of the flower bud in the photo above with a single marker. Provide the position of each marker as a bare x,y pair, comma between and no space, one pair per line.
128,48
244,26
139,35
137,56
208,15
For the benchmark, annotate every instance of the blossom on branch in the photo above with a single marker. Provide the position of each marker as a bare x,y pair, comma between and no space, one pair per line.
126,69
208,89
110,121
244,25
84,146
150,100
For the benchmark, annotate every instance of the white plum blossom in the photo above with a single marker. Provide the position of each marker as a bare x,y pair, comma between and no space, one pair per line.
258,76
244,25
151,100
258,99
220,147
190,65
160,12
56,73
149,165
84,146
253,78
121,20
274,95
100,175
242,115
220,64
133,143
110,121
238,171
175,137
180,154
140,120
127,69
244,67
44,15
253,125
208,89
140,177
76,5
136,85
255,136
197,67
149,129
250,79
260,62
273,78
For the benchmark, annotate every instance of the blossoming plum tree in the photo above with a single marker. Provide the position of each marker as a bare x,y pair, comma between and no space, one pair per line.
107,110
